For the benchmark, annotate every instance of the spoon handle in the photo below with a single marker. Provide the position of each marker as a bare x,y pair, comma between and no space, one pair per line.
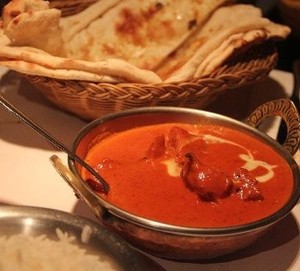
52,140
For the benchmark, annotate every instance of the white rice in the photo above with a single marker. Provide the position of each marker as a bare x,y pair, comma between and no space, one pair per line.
21,252
86,234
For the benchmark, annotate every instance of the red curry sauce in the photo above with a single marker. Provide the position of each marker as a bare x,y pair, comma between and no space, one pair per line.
151,174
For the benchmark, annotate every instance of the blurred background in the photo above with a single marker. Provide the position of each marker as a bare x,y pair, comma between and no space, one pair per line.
281,11
285,12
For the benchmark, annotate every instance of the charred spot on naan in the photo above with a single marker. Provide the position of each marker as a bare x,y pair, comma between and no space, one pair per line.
143,32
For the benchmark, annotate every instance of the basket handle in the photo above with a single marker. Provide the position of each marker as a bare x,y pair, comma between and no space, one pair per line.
286,109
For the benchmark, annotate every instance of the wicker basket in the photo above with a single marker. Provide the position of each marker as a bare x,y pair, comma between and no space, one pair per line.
90,100
70,7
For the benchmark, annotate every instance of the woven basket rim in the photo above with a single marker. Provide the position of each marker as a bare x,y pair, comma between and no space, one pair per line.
201,88
89,100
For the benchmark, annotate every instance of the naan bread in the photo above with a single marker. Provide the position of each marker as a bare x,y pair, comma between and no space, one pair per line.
141,32
73,25
30,60
38,70
219,38
128,40
32,23
40,52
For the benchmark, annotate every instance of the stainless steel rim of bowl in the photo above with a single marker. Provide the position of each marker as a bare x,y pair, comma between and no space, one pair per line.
35,221
191,231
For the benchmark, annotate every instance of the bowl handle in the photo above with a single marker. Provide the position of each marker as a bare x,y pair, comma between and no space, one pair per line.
78,188
286,109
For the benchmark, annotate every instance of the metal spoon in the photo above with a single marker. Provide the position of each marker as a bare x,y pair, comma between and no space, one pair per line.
52,140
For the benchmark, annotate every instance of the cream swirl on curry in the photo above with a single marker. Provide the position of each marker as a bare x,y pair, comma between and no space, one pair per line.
250,162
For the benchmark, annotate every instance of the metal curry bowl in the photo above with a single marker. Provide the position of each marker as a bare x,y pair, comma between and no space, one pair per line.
176,242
